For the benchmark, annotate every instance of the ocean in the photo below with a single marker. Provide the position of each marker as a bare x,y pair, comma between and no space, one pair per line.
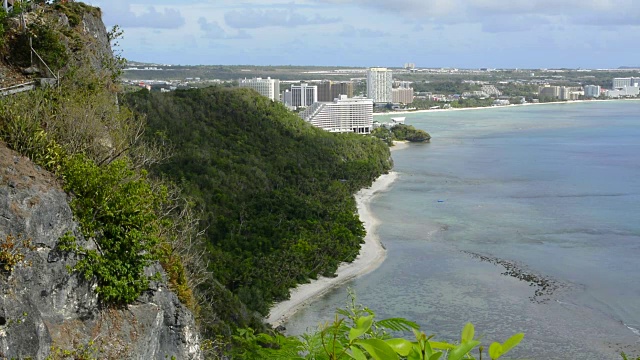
517,219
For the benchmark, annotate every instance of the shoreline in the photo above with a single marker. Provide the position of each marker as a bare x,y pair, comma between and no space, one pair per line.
494,107
371,255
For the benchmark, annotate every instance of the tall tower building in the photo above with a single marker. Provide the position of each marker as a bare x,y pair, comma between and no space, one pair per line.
324,91
330,90
266,87
379,85
304,95
341,88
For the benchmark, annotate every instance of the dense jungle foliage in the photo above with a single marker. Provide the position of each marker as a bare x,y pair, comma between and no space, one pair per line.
276,194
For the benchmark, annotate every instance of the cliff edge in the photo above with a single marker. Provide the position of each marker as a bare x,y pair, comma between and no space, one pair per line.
45,309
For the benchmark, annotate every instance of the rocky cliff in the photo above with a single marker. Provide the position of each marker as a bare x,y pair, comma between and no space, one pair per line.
65,36
45,309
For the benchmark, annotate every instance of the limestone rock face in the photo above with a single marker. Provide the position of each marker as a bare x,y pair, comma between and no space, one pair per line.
44,306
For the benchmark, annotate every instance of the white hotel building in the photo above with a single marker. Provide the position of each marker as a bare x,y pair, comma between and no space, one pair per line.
303,95
619,83
380,85
591,91
342,115
266,87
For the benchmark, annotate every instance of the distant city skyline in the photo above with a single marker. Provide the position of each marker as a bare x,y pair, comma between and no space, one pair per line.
368,33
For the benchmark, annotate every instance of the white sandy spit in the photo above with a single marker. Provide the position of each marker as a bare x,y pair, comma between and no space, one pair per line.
392,113
371,256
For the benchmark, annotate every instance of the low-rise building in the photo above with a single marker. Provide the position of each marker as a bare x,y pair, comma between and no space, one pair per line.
626,91
491,90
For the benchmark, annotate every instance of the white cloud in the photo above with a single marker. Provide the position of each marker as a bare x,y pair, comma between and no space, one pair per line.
254,18
120,12
350,31
214,31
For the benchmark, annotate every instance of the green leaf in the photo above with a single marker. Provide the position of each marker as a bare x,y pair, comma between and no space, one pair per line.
363,324
401,346
377,348
435,356
356,354
397,324
467,333
495,350
441,345
512,342
415,353
461,350
427,349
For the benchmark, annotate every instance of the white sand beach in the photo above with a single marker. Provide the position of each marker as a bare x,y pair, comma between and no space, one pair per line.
393,113
371,256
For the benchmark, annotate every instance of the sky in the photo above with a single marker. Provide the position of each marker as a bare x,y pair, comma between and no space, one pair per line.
429,33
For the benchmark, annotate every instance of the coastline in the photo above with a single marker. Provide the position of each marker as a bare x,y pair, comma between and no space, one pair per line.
494,107
371,255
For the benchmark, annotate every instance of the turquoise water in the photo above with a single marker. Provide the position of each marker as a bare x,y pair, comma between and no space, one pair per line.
552,192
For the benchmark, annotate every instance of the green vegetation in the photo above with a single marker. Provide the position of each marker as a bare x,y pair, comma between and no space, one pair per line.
445,87
117,207
79,133
275,192
3,26
12,252
114,203
80,352
46,40
76,10
356,334
471,102
275,196
401,132
625,357
409,133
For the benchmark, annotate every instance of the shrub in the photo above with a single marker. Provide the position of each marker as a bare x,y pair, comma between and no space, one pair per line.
3,24
47,43
117,209
12,252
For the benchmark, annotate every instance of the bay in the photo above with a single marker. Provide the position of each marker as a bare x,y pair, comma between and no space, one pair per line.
517,219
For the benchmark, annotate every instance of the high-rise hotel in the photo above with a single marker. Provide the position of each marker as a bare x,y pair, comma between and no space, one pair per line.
303,95
380,85
330,90
342,115
266,87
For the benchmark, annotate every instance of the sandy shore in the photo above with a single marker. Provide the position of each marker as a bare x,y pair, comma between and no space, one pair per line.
492,107
399,145
371,256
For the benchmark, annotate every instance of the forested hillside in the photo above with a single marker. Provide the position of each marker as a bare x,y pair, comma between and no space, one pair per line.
275,193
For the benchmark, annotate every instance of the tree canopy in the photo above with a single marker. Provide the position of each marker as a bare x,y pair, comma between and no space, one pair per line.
276,193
